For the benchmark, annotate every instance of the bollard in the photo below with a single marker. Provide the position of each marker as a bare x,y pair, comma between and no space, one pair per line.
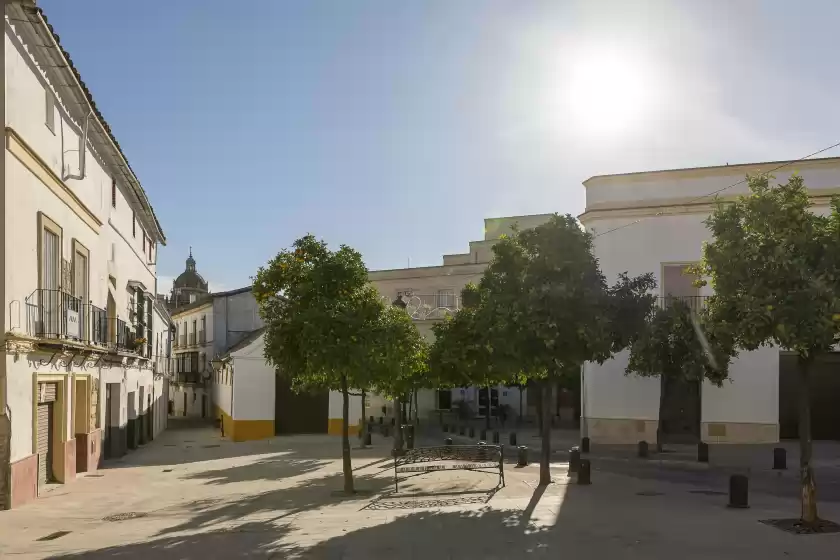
643,449
703,452
483,435
368,440
448,441
495,436
385,431
371,420
381,420
584,445
393,421
739,490
472,432
512,439
585,472
574,460
522,456
461,430
408,435
779,459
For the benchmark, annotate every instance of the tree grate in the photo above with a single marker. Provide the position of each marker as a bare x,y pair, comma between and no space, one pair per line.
798,527
124,516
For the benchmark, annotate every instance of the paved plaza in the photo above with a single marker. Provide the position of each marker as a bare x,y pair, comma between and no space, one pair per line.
193,495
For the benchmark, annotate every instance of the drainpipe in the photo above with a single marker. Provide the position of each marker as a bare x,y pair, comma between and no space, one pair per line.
82,151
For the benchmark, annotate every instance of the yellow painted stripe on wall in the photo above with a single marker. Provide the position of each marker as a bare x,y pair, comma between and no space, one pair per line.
334,427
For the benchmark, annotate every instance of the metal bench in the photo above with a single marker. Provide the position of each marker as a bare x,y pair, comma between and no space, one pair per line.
482,458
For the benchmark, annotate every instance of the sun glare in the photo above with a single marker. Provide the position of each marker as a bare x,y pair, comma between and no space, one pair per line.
606,91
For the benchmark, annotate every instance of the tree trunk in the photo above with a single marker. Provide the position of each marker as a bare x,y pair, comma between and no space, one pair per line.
659,435
519,420
489,408
545,457
345,438
364,426
398,439
416,409
809,490
538,393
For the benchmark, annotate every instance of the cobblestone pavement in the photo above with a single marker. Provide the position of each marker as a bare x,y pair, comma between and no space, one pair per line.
192,495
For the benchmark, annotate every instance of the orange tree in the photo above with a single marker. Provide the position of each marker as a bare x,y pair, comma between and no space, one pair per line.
323,323
775,269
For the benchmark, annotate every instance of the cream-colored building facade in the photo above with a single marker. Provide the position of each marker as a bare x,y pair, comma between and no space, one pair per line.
79,381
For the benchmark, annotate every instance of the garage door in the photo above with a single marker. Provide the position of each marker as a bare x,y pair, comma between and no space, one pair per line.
46,400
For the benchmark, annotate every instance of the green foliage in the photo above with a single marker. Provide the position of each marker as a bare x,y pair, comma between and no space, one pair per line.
541,309
669,346
322,317
773,264
399,359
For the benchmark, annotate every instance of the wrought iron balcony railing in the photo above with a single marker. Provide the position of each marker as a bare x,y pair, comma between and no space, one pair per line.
694,303
430,306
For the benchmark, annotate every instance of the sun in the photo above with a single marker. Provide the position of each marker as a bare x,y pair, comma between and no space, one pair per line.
606,91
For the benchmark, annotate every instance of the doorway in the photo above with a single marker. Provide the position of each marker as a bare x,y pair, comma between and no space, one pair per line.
299,413
482,402
680,411
47,397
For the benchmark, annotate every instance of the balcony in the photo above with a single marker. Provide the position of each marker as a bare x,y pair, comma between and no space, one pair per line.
694,303
56,315
422,307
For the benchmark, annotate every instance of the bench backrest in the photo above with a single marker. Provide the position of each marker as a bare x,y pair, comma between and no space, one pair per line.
473,453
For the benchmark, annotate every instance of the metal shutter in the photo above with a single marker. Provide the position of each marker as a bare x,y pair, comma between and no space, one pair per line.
45,418
47,392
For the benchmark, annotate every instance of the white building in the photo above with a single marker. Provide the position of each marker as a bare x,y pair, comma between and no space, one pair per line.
77,378
653,222
204,330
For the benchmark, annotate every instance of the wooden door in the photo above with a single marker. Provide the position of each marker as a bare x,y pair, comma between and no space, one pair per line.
45,441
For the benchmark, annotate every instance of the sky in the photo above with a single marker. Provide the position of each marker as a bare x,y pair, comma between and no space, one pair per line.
396,127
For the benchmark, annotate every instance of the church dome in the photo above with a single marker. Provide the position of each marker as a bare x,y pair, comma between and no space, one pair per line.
190,278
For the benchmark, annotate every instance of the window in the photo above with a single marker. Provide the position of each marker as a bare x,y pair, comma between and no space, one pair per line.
49,276
113,193
50,110
446,298
151,245
144,242
133,225
444,399
81,271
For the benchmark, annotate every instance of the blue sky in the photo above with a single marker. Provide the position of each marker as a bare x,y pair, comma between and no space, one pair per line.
397,126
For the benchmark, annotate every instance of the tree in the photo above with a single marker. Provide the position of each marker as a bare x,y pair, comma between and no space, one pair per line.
545,309
773,264
399,361
323,322
669,347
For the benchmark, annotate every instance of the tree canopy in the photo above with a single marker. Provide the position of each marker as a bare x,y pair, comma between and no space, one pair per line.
773,263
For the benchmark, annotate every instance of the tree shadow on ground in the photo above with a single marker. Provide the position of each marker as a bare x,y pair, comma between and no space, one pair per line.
246,540
275,468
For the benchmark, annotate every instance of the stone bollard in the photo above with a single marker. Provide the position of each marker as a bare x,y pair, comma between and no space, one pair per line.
739,491
472,432
381,420
461,430
643,449
585,472
779,458
522,456
512,439
408,435
496,437
448,441
574,460
702,452
368,439
483,435
584,445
